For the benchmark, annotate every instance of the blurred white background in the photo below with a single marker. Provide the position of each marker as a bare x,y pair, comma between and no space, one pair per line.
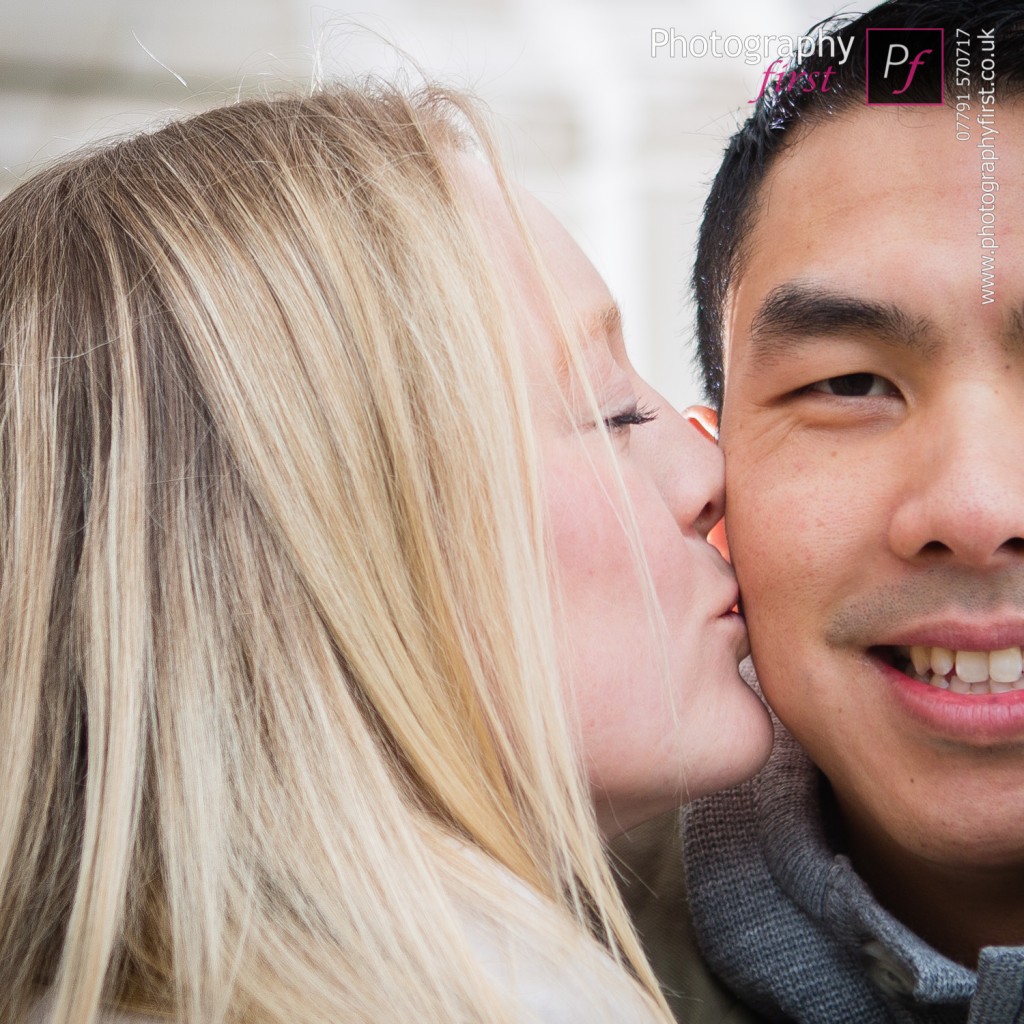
622,145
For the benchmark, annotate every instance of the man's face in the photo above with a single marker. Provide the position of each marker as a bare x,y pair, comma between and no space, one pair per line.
873,428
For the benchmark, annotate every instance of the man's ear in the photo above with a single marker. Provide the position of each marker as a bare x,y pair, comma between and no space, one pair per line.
705,419
718,539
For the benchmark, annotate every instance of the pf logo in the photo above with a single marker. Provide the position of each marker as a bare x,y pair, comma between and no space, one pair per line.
905,65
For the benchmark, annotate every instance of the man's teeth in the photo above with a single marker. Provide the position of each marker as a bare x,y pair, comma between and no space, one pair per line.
967,671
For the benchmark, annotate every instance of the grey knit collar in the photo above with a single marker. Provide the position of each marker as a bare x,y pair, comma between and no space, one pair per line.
790,927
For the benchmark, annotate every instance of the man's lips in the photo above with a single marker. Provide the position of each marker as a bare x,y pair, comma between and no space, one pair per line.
970,714
955,672
959,634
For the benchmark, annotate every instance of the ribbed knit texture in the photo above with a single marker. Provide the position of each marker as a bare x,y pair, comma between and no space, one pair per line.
791,928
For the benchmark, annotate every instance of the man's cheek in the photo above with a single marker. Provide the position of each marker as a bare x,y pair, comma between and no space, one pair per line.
803,520
773,536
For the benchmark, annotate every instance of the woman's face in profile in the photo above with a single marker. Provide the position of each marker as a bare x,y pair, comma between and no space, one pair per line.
660,726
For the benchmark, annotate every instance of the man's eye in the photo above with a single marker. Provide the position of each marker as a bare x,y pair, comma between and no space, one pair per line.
854,385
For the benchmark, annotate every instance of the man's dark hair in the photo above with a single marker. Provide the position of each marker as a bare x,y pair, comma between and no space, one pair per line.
732,205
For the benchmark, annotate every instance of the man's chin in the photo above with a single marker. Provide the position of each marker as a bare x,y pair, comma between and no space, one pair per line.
955,834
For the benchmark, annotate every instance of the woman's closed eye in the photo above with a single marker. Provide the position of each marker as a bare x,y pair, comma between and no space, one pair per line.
634,416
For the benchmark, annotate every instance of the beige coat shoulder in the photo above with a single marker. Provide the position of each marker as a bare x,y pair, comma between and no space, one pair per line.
651,879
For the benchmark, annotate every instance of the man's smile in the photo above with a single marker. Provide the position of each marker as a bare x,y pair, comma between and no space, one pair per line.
971,696
961,671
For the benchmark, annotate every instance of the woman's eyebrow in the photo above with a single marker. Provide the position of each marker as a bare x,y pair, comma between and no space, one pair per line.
799,313
600,325
604,322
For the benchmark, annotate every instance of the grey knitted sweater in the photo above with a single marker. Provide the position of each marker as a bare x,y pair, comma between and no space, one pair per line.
793,931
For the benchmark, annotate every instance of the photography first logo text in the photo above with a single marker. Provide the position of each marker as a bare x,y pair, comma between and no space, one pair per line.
754,49
781,51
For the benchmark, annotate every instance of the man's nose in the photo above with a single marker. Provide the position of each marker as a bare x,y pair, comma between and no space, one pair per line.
963,497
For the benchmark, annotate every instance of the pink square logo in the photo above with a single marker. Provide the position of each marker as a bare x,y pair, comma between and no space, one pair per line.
905,65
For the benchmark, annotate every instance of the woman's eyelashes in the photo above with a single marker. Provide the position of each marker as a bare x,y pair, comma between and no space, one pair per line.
633,416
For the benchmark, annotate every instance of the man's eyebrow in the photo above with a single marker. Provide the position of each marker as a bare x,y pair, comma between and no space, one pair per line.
1014,331
797,313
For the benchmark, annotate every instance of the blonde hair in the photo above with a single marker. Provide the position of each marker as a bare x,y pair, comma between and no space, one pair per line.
274,596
